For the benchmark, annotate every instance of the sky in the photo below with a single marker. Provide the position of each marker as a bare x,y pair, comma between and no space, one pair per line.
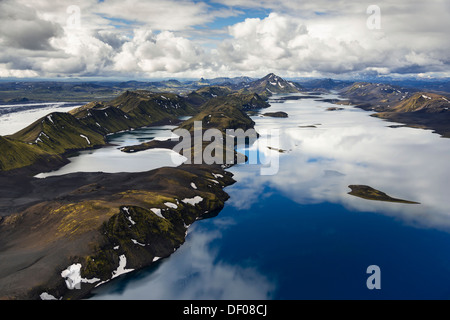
223,38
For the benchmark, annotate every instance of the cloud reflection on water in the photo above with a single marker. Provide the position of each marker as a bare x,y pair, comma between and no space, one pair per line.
348,147
208,278
407,163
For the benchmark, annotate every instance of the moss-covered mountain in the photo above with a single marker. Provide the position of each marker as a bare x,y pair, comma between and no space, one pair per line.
415,109
154,106
227,112
94,219
221,113
242,101
424,102
222,117
375,96
203,95
422,110
134,109
217,95
58,133
87,126
18,154
105,119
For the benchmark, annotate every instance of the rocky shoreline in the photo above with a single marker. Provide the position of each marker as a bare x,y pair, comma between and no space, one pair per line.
98,221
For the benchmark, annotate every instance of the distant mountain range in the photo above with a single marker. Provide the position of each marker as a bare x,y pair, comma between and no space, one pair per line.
53,136
74,91
14,92
385,97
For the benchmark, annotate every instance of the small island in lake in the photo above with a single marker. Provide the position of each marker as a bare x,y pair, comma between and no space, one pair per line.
279,114
370,193
309,126
334,109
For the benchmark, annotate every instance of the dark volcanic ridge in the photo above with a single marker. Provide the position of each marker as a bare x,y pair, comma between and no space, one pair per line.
97,220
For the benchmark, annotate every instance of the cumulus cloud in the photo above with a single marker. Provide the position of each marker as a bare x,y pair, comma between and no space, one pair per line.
158,14
176,38
151,53
21,28
281,42
336,40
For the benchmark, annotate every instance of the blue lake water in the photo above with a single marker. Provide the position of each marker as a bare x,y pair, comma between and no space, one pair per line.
296,233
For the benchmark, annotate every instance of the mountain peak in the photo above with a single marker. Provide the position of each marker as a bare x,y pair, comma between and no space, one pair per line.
271,76
271,84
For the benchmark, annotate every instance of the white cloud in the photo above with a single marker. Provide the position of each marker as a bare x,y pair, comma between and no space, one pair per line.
161,39
339,42
6,72
21,28
148,53
158,14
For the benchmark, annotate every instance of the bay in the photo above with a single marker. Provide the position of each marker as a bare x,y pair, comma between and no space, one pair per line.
298,234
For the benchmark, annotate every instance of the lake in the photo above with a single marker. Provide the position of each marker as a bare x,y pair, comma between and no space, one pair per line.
111,160
298,234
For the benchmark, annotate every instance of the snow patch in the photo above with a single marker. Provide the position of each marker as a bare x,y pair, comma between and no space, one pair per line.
87,139
129,217
157,211
193,186
137,242
193,201
72,276
131,221
38,139
121,268
46,296
171,205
